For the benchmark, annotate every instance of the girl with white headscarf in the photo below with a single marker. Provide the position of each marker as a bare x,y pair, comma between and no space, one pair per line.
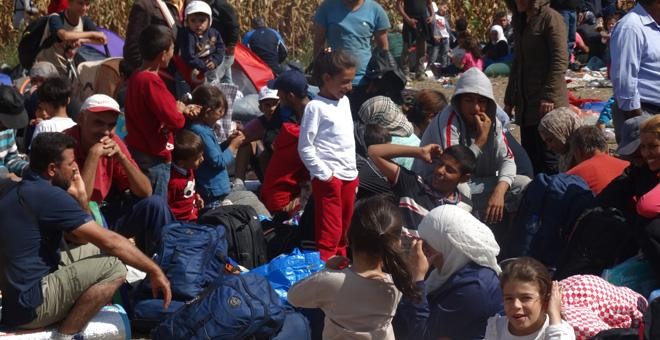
462,291
497,47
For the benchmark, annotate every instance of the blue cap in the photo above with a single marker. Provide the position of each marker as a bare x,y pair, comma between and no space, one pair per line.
291,81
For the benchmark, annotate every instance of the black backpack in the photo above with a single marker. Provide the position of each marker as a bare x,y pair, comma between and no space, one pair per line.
247,244
652,320
34,39
600,239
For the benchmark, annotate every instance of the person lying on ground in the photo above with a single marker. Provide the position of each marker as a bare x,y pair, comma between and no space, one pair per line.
41,285
470,120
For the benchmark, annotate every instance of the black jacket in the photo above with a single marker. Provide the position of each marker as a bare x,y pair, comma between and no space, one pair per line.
225,21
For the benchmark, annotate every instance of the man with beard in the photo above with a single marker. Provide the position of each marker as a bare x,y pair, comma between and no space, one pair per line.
40,285
111,176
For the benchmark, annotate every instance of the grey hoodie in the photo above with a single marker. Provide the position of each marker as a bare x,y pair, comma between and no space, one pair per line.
448,128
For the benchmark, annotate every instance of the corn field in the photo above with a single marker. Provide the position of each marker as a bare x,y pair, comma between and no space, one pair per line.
292,18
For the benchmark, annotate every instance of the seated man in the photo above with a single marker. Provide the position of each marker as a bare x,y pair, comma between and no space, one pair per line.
470,120
41,286
417,196
286,173
106,164
12,116
594,163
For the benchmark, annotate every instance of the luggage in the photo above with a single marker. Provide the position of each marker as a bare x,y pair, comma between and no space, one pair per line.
147,314
280,238
295,327
246,242
233,307
600,238
548,210
192,256
652,321
36,37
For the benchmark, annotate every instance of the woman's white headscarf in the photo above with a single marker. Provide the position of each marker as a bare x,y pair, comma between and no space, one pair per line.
500,33
461,238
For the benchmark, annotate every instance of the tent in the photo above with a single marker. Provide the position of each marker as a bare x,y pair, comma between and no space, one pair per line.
95,52
249,72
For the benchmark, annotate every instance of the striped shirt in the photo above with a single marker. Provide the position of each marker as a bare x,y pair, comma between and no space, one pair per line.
10,158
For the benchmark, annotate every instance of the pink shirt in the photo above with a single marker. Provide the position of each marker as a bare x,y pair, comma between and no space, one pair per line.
470,61
649,205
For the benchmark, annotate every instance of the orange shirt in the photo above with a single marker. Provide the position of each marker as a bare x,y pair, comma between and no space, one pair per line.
598,171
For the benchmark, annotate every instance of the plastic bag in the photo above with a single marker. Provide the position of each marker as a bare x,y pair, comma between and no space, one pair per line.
285,270
635,273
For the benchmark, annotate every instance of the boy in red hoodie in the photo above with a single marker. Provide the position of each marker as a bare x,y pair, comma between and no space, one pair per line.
152,113
280,191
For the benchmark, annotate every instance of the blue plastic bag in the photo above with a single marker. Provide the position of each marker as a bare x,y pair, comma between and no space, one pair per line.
285,270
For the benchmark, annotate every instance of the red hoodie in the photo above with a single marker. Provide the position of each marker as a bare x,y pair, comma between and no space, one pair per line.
151,115
285,170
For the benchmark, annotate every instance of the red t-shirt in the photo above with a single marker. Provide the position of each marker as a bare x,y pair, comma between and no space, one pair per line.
285,170
151,115
598,171
109,171
181,194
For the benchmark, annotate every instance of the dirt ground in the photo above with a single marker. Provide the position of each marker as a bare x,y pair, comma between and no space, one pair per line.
499,88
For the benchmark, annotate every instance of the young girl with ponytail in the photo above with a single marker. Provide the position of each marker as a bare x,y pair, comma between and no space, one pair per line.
359,300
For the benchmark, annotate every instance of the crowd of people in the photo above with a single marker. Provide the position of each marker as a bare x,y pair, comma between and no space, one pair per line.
411,202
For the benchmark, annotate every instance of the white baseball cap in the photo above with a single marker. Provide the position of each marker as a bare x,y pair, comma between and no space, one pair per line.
267,93
100,103
198,6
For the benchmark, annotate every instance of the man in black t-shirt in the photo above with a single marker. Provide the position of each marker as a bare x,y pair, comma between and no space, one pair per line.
417,18
418,196
40,285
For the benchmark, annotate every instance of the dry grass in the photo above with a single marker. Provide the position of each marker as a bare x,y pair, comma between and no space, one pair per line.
293,18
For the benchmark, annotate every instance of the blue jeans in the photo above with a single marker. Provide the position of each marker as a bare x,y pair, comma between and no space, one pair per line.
438,53
570,19
140,218
155,169
224,69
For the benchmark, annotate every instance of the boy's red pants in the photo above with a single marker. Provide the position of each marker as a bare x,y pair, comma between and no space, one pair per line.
333,209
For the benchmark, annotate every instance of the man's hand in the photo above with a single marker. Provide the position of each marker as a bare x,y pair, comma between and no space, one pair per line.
429,19
210,65
509,110
495,207
411,22
78,191
484,124
292,205
229,50
429,152
106,147
160,283
546,107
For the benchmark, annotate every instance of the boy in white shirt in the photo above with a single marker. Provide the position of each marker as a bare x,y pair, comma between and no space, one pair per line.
54,95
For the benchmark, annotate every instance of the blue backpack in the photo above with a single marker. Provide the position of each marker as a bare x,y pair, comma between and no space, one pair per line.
233,307
548,210
192,256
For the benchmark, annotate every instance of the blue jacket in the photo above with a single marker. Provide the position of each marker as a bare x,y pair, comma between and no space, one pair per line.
212,177
459,309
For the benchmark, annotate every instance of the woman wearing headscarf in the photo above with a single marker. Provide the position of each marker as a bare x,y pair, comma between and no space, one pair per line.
462,291
497,48
555,130
383,111
536,84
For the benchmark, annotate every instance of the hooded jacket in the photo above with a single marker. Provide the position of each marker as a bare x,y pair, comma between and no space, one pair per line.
539,62
448,128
